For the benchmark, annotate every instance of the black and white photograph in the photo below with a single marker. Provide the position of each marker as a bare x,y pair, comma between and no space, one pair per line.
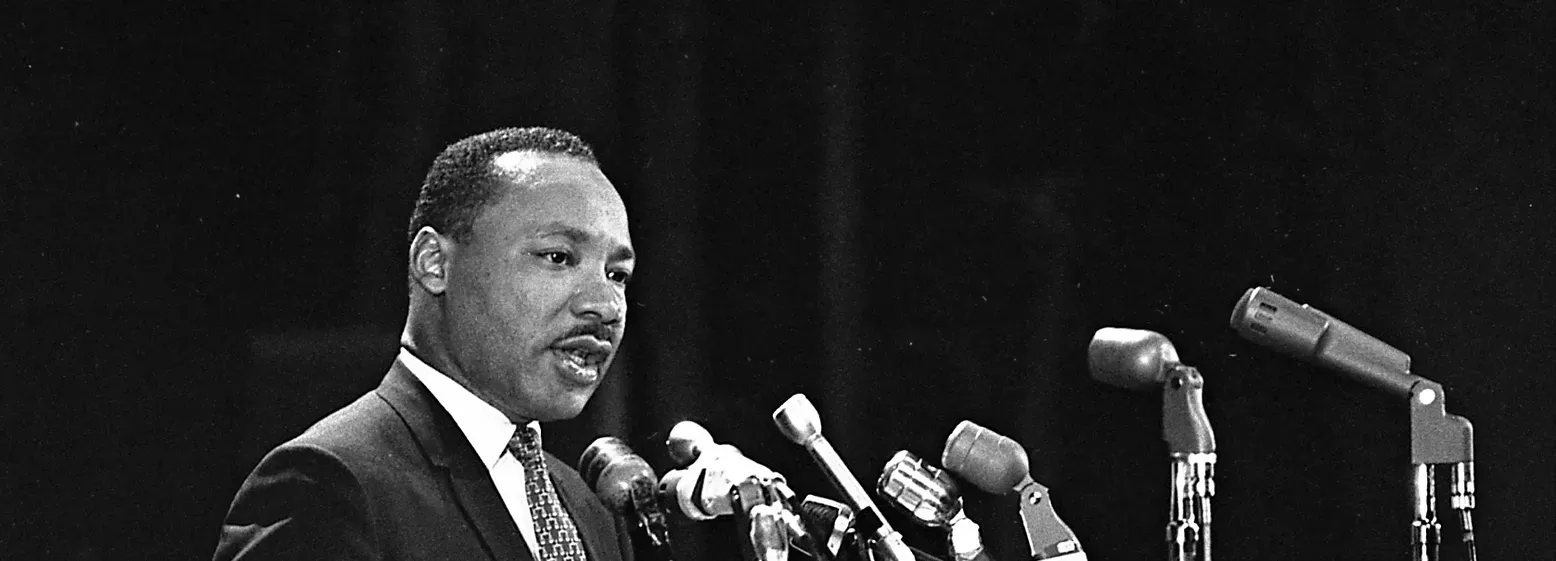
908,281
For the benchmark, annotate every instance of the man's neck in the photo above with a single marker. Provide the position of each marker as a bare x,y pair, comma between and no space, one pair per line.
435,354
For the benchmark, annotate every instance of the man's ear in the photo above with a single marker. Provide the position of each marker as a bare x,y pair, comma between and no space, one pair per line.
430,255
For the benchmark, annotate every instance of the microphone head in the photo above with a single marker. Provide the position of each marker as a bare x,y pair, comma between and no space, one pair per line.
611,468
1272,320
1133,359
925,492
798,420
686,442
987,459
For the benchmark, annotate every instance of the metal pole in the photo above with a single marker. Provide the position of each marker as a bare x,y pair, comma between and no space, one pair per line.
1425,531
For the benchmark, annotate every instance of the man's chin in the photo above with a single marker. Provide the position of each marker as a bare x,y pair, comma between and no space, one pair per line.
567,405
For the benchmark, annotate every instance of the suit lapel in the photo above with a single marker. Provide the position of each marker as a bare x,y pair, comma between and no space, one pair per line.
484,507
449,452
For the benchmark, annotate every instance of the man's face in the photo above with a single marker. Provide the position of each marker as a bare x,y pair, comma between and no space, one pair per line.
536,299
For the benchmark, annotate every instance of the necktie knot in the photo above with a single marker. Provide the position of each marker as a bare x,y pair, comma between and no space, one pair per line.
525,446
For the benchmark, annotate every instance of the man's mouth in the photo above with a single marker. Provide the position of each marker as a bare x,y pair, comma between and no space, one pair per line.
585,353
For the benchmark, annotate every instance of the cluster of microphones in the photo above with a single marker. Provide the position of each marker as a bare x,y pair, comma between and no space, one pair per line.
713,480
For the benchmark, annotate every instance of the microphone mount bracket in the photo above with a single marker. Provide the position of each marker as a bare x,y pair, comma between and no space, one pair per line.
1185,426
1047,535
1191,445
1437,437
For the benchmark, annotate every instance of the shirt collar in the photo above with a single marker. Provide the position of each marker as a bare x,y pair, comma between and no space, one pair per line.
487,429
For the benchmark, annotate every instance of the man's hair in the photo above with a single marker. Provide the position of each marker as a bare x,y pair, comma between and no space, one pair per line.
463,179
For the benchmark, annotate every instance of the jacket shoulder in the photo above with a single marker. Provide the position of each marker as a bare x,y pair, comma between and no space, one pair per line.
301,500
366,431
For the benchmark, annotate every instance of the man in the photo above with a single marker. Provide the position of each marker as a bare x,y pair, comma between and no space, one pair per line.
519,261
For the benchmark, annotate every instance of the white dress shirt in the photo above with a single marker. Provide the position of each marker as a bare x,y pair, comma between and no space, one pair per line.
488,431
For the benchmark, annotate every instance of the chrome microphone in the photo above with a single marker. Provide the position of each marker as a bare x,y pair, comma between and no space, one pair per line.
998,465
931,497
798,420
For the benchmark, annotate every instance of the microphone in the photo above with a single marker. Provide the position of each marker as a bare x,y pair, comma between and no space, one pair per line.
998,466
1436,437
932,497
705,487
798,420
717,479
1269,319
924,492
1137,359
625,483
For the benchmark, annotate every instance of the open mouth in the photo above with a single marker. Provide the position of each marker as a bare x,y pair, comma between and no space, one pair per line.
583,356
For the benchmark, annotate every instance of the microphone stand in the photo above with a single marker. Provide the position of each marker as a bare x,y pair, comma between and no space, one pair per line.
1192,448
1463,501
1437,438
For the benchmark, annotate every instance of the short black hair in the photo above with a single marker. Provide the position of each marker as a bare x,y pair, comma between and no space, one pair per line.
463,179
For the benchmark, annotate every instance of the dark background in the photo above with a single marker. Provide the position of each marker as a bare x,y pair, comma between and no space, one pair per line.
913,214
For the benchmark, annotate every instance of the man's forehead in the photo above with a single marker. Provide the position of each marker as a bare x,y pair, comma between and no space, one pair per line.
580,195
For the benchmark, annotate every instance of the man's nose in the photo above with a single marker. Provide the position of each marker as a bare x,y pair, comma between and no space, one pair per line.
599,300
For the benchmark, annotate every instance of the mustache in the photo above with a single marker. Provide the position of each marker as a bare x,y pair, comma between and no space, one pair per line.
599,331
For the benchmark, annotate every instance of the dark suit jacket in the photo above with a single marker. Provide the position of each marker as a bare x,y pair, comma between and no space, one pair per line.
390,476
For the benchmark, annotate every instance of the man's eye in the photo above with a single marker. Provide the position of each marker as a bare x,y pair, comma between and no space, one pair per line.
556,257
622,277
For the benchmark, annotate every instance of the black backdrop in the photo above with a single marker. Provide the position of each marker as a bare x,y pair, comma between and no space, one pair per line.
914,214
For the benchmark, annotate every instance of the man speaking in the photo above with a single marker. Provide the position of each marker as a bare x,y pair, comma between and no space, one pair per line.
519,259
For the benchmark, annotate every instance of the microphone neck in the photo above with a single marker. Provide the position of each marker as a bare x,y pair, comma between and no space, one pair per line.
1185,426
1047,535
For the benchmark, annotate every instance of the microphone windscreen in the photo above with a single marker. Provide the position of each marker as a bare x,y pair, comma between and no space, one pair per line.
986,459
1133,359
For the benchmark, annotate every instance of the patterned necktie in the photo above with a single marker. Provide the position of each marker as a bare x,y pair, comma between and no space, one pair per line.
554,529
